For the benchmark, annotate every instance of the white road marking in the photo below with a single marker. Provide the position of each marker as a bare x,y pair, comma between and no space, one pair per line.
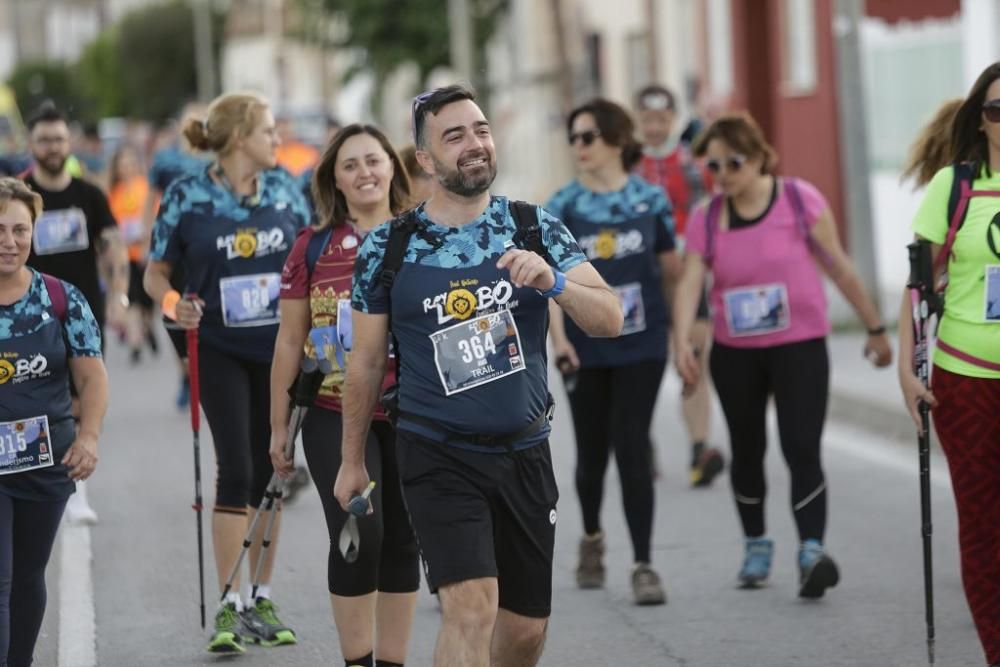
77,626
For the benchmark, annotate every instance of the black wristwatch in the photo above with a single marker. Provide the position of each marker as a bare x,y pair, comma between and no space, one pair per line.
877,331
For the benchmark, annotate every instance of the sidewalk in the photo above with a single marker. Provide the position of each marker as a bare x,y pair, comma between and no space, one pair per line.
863,395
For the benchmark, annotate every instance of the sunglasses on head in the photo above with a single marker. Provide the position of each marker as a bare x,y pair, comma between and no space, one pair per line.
732,163
991,110
587,137
418,102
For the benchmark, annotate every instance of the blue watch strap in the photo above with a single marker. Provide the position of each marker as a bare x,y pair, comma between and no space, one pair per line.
558,287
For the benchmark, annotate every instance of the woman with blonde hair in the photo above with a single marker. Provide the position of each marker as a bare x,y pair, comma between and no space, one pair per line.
230,226
359,184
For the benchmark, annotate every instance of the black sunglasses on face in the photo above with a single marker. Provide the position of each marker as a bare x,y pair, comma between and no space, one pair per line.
732,163
991,110
587,137
418,102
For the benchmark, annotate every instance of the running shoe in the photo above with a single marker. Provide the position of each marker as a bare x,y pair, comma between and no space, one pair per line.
756,562
263,625
590,571
228,628
298,481
78,509
646,586
817,571
706,464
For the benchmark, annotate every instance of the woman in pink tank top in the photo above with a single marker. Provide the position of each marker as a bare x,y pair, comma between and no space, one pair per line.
764,239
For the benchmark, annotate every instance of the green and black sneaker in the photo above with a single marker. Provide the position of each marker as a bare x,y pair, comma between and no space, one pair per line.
264,627
227,637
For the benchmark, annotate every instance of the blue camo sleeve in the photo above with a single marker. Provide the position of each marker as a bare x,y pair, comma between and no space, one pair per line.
556,204
299,203
164,244
559,242
368,295
82,331
664,210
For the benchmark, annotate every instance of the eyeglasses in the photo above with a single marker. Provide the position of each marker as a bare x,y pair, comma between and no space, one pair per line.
732,163
991,110
587,137
418,117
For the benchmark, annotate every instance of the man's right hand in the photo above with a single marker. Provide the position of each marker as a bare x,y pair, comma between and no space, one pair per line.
352,480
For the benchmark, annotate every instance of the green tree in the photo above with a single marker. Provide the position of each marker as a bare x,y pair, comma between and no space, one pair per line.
33,82
100,77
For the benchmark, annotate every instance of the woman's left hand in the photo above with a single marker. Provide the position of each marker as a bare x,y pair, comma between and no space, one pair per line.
878,350
81,459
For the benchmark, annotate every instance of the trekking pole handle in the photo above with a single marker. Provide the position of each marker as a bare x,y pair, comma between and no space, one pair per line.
358,505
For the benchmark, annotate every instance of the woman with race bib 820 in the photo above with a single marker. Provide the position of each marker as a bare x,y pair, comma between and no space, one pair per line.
625,227
47,331
762,238
231,226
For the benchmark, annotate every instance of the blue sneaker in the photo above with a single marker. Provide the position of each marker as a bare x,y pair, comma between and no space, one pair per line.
756,563
817,571
183,394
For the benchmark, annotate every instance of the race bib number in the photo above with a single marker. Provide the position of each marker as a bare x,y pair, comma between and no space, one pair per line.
60,231
630,297
133,230
250,301
477,352
761,309
24,445
992,306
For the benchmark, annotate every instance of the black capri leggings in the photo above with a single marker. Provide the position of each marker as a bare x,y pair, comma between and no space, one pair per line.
388,560
27,532
236,396
613,409
798,376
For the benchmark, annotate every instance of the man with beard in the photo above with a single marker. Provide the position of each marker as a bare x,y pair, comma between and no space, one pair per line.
74,236
469,316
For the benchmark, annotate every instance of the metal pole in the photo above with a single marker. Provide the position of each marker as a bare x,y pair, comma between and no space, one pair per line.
854,143
201,11
460,38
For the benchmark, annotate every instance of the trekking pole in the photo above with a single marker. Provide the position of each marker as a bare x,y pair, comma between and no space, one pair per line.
924,302
192,352
350,536
303,392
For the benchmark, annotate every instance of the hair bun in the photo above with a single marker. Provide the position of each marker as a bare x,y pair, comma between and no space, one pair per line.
196,132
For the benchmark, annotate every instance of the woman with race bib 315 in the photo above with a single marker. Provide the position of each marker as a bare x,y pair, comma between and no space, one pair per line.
231,226
47,331
762,238
625,227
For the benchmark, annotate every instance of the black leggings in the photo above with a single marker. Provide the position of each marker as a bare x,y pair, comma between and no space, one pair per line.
613,409
236,396
27,532
387,559
798,376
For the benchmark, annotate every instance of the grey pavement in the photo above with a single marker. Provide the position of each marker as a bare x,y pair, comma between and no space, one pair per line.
145,568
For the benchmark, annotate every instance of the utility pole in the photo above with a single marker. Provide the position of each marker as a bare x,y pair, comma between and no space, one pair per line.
855,163
460,38
201,11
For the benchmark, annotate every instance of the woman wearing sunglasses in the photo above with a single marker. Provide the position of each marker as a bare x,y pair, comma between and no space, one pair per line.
966,376
625,227
762,237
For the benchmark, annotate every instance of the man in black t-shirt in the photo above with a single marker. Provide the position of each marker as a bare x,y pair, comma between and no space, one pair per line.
76,238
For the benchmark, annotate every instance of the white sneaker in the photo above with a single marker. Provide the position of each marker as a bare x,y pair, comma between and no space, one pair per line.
78,510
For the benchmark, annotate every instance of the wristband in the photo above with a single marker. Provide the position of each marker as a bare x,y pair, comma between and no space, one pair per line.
557,288
169,304
877,331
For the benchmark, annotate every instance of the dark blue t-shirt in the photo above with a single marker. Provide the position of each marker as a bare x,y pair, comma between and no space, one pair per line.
34,382
471,345
232,253
622,233
171,163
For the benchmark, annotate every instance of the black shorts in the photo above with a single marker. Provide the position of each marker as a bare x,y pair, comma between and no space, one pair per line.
178,338
481,515
136,292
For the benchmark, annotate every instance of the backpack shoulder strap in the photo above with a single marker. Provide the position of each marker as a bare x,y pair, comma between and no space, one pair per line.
57,295
401,229
529,232
958,205
711,226
314,249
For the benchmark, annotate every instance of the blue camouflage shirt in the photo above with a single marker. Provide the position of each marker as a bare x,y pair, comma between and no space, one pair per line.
171,163
232,250
25,317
